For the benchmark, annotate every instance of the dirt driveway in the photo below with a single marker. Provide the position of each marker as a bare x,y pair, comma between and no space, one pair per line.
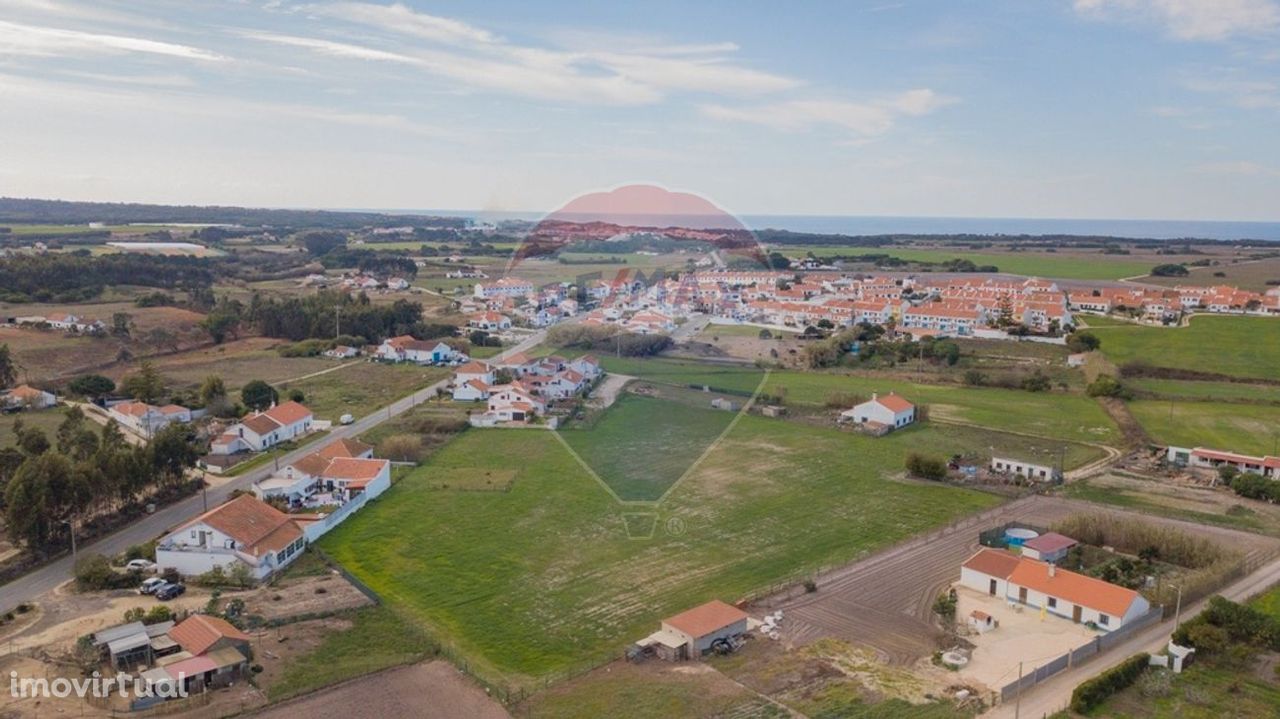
885,601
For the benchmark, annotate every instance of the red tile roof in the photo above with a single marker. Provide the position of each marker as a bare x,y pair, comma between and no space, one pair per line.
288,413
1050,542
198,632
253,523
1075,588
993,562
895,403
703,620
344,448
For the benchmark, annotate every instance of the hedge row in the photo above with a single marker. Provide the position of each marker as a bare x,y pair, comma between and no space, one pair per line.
1092,693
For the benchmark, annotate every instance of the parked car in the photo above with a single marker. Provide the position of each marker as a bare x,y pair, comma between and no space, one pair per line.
346,419
141,565
151,585
170,591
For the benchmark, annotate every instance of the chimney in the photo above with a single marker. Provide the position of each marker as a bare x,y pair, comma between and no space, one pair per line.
873,396
1052,569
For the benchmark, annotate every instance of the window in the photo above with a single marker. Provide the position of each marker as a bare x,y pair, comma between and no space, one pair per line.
1053,602
1104,620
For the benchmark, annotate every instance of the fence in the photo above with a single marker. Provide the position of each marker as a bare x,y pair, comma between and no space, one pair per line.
1079,655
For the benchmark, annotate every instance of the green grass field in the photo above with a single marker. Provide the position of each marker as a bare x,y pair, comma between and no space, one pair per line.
46,420
643,444
1234,346
1039,264
543,578
1268,602
1248,428
1207,391
362,387
683,373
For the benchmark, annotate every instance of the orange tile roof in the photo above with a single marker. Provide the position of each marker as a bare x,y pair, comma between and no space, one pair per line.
344,448
994,562
288,413
261,424
350,468
1075,588
703,620
251,522
895,403
198,632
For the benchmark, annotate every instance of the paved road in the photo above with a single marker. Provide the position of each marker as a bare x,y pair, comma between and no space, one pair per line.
29,586
1054,695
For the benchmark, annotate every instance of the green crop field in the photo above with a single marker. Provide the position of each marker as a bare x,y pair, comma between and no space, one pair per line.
737,379
540,579
1248,428
1234,346
362,387
643,444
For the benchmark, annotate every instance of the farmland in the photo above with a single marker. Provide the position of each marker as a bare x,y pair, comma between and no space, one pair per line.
643,445
1233,346
46,420
772,501
1207,391
1248,428
1255,275
1039,264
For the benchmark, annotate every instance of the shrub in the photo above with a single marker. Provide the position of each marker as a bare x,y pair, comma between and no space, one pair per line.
1107,386
1083,341
94,572
1095,691
933,468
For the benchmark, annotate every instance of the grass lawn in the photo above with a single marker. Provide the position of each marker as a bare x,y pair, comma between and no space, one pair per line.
643,445
1235,346
736,379
543,579
1207,391
1268,602
1248,428
45,419
378,639
362,387
1054,415
1206,690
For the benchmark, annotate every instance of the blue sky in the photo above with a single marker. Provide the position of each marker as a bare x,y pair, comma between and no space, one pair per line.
1028,108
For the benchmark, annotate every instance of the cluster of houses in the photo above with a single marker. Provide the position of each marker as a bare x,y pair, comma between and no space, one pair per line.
199,653
356,282
519,388
24,397
1166,305
517,301
406,348
268,529
1213,459
60,321
1031,580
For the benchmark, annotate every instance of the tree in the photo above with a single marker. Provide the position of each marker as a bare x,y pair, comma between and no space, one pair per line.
145,385
778,261
8,370
121,324
1083,341
74,437
212,388
1037,382
1106,386
258,395
924,467
45,491
297,395
323,242
1170,270
92,386
31,440
172,452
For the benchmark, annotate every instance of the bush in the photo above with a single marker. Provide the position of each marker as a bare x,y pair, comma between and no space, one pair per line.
1037,382
933,468
94,572
1095,691
1170,270
1083,341
401,448
1107,386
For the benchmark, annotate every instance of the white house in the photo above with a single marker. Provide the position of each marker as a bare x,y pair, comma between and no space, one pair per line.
504,287
489,321
890,411
338,472
263,430
588,366
513,403
1203,458
407,349
27,397
244,531
145,419
1042,585
342,352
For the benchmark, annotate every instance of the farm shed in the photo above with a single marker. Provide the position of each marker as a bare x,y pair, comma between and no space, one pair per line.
1030,470
690,634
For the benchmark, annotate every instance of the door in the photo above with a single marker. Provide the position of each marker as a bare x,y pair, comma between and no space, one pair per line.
1075,614
992,589
1022,594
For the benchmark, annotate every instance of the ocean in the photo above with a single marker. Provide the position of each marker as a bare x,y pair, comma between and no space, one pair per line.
876,225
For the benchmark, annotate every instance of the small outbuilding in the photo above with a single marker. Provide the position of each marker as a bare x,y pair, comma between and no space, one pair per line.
1048,547
1030,470
690,634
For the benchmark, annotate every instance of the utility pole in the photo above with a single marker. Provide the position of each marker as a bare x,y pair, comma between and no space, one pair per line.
1177,611
337,321
1017,705
72,527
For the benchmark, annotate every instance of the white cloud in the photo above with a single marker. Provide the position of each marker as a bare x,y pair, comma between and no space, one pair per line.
1192,19
1245,93
36,41
613,73
863,119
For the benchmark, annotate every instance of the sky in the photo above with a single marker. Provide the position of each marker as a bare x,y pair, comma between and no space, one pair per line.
1137,109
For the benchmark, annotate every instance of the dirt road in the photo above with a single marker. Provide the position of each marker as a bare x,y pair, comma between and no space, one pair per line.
434,690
